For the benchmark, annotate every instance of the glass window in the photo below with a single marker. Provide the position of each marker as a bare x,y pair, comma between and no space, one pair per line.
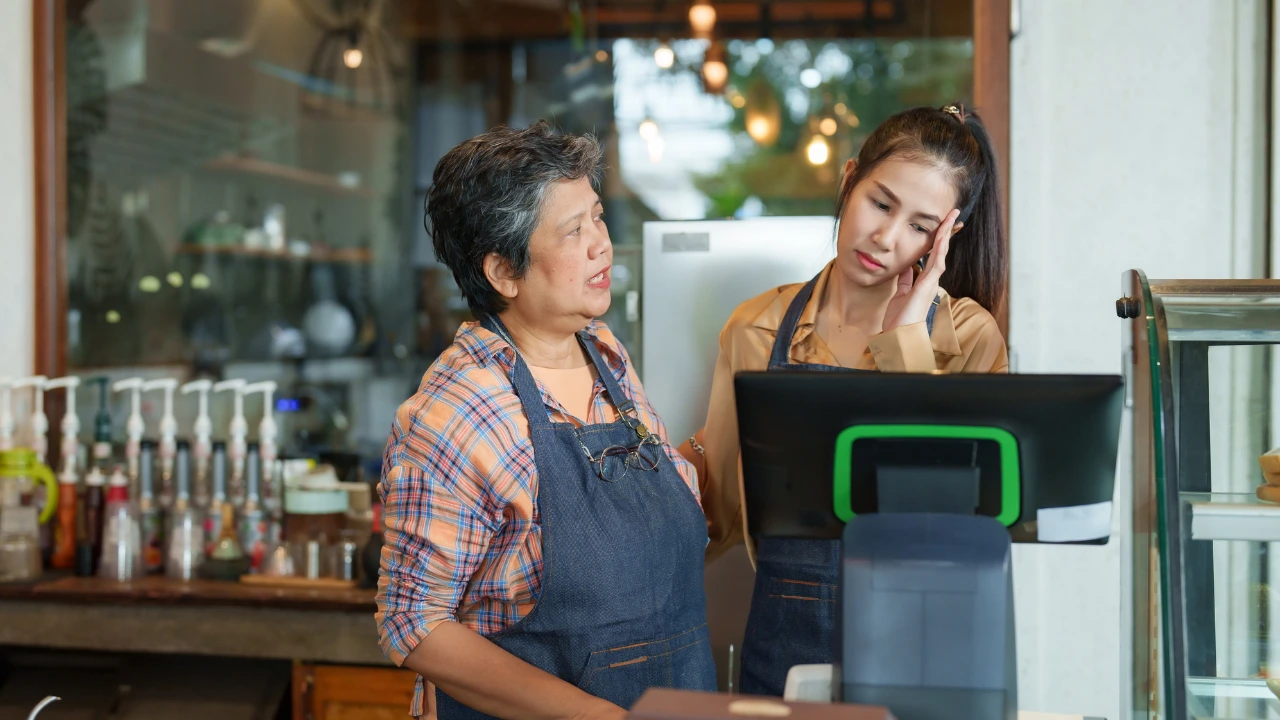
245,179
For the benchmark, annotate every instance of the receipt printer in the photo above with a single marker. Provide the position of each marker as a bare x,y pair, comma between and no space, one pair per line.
924,621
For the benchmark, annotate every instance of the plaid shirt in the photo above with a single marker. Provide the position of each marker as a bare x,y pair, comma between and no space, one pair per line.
463,537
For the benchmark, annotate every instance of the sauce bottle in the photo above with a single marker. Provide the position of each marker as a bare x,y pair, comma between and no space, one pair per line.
149,517
95,503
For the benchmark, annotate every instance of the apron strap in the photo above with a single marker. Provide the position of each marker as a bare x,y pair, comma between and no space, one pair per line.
619,398
780,355
521,379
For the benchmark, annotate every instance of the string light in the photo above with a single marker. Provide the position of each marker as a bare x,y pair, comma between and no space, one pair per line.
759,128
664,56
818,151
716,74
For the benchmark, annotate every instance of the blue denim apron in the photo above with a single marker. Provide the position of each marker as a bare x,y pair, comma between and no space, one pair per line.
621,606
792,616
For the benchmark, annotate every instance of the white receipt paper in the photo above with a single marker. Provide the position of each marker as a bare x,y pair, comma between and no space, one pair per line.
1077,523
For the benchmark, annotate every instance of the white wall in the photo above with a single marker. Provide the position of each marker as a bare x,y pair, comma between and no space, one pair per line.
1127,152
17,287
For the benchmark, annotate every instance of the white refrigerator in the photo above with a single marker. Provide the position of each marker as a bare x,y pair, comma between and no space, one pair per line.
694,274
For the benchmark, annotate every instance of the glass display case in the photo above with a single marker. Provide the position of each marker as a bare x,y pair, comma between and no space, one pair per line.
1202,367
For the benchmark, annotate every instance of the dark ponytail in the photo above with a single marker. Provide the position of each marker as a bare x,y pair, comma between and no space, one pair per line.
956,142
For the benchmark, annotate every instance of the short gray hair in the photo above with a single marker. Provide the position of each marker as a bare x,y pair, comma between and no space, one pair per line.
487,196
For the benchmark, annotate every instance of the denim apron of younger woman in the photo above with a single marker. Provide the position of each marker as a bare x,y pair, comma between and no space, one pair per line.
792,617
621,607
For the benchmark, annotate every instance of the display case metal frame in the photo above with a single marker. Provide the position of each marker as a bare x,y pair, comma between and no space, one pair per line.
1171,326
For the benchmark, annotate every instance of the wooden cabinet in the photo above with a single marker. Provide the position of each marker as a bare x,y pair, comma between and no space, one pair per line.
343,692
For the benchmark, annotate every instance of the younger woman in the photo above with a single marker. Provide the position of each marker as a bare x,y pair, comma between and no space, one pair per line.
919,270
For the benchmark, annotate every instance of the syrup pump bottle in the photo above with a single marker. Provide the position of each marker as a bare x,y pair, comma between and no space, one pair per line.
237,433
202,449
39,442
133,428
69,505
168,437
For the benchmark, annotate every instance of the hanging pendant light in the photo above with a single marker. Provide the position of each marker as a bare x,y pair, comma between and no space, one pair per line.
702,18
715,73
763,113
352,69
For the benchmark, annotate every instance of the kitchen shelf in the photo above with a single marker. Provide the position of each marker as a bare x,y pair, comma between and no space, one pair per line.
1233,517
263,168
346,255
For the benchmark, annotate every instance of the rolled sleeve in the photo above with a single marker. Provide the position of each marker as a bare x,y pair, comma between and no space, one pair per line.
435,530
904,349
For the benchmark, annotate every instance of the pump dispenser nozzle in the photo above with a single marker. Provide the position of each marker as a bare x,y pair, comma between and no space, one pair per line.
70,428
168,433
203,431
266,428
39,421
237,433
134,426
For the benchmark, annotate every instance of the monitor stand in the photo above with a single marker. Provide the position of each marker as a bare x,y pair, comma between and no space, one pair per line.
924,621
927,489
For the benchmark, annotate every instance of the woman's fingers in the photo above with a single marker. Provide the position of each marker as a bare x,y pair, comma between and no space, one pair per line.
941,244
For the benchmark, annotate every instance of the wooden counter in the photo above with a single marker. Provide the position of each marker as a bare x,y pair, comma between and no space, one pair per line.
161,591
155,615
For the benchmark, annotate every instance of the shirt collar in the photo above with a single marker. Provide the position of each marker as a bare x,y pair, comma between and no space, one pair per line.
487,347
944,338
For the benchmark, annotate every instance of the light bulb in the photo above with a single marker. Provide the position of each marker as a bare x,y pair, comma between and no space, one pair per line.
352,57
827,126
702,17
759,128
716,74
648,129
664,56
818,151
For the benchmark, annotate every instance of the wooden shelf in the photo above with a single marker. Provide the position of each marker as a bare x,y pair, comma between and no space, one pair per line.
162,591
346,255
252,166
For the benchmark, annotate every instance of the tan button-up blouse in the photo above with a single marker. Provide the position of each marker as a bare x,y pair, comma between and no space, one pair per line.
965,338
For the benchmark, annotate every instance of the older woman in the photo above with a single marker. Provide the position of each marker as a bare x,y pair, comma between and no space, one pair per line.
544,542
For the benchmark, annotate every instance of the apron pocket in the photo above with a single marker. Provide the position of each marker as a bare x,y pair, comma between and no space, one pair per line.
785,602
622,674
792,622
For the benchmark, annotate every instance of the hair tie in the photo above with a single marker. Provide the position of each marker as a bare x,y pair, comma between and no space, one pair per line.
957,110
